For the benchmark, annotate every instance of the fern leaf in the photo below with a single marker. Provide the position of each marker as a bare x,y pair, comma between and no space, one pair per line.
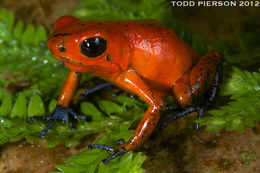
6,106
240,83
36,106
20,107
238,114
28,35
245,107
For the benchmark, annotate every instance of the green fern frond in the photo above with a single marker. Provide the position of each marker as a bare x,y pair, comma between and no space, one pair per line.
240,83
20,54
244,108
247,55
124,10
244,111
90,160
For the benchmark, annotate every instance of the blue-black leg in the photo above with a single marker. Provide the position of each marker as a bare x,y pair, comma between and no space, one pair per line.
107,160
108,148
96,88
199,108
63,114
171,108
45,130
178,115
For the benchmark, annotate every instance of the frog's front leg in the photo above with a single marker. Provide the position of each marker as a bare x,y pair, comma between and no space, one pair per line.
132,82
62,112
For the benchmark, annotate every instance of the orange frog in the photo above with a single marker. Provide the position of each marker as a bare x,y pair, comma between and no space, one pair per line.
139,56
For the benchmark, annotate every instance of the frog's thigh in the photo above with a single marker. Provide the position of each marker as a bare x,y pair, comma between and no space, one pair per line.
192,86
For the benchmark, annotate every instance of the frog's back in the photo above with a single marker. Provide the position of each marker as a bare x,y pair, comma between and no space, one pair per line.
158,55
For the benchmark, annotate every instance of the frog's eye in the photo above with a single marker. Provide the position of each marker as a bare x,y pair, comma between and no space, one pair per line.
93,47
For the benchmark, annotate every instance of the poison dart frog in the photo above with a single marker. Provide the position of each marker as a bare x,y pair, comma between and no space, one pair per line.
139,56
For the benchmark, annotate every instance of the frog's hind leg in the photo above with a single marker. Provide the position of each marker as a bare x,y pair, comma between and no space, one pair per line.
189,90
95,89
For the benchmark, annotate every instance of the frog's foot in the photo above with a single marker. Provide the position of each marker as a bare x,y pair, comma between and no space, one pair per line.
60,113
121,149
200,107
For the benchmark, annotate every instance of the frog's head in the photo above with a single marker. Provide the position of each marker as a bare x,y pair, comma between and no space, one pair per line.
85,46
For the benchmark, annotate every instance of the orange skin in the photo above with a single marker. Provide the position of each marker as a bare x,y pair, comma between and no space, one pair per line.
142,57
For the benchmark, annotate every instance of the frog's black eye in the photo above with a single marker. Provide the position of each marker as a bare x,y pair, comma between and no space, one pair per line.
62,49
93,47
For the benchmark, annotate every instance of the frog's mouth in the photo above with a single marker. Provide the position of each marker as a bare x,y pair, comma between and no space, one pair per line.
67,60
70,61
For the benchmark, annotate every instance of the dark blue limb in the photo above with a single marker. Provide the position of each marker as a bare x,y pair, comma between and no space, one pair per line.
107,160
178,115
63,114
170,108
102,147
76,116
96,88
108,148
45,130
31,119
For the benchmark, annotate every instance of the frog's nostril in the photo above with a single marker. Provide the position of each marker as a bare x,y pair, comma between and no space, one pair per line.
62,49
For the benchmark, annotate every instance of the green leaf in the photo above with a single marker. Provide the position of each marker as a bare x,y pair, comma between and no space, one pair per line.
18,30
6,106
72,140
20,107
7,17
110,107
52,105
240,83
89,109
40,35
224,47
125,163
72,168
127,101
28,35
199,44
55,140
243,111
4,34
244,59
36,106
85,157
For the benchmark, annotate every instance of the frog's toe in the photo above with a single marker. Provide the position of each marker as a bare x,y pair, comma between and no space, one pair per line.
102,147
121,149
105,147
46,129
31,119
107,160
